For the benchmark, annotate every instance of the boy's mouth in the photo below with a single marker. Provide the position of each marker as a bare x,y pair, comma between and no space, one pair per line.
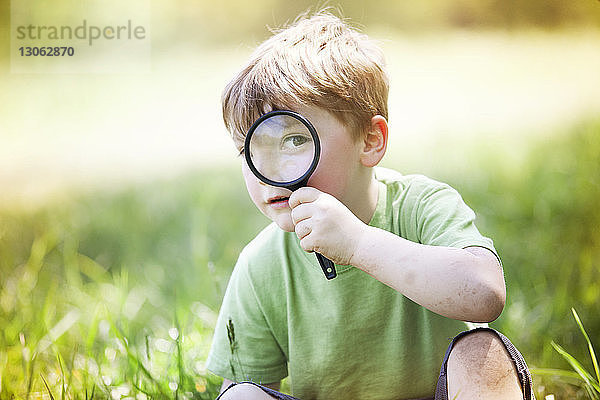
278,201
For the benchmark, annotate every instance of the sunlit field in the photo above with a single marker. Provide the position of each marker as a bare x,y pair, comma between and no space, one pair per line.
122,210
453,95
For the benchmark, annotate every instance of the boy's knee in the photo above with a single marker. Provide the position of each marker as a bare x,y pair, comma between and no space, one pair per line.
245,391
473,350
480,365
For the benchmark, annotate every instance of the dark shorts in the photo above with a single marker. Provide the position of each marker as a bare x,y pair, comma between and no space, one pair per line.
441,391
273,393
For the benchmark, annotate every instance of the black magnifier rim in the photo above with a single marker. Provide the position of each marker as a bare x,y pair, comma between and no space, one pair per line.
297,183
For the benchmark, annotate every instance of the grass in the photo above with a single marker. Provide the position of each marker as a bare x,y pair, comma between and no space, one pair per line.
589,381
109,295
116,294
543,217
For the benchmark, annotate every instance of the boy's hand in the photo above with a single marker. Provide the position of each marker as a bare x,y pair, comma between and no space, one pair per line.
325,225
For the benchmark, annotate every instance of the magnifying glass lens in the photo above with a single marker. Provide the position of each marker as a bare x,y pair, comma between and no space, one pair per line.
282,148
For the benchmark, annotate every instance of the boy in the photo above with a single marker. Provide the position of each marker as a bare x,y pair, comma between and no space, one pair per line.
411,264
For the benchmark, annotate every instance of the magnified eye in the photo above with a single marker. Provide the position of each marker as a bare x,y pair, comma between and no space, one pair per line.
294,142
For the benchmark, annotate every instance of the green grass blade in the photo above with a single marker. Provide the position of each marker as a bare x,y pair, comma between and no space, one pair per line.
93,329
31,369
576,365
3,357
62,376
147,343
591,393
132,357
180,368
589,343
139,388
47,387
557,372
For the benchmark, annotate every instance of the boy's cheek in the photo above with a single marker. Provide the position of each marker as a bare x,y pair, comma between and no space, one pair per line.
252,185
328,183
283,218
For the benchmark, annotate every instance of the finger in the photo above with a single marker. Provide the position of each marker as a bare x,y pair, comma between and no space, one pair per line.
307,244
303,195
302,229
301,212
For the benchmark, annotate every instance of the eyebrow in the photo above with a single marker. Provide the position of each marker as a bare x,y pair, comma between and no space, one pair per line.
284,124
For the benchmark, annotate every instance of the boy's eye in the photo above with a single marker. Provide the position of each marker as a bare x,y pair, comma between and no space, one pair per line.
293,142
241,153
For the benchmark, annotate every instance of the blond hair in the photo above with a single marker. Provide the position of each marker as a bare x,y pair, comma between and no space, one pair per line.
317,61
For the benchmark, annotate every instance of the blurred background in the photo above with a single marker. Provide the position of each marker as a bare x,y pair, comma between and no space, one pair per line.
122,210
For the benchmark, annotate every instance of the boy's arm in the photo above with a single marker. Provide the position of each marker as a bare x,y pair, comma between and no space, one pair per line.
464,284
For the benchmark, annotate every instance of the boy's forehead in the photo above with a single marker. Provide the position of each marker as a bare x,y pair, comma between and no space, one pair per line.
319,116
315,115
250,116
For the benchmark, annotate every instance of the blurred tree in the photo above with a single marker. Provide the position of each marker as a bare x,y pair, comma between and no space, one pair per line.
215,23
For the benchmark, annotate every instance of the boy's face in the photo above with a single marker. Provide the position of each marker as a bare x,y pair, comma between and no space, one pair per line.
338,169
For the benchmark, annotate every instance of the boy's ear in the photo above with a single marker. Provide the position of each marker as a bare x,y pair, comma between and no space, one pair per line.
374,142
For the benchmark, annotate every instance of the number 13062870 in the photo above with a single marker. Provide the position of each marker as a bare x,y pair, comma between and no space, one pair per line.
46,51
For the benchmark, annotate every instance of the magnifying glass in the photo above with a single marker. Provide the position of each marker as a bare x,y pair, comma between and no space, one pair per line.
282,149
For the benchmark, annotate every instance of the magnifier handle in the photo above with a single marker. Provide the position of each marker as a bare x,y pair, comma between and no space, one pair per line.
327,266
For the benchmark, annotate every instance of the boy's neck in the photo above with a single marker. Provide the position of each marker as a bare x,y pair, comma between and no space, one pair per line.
364,201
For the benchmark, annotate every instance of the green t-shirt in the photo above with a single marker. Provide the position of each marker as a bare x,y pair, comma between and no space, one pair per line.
352,337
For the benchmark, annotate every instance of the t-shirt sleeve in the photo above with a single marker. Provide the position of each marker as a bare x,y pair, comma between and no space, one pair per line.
443,219
244,347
